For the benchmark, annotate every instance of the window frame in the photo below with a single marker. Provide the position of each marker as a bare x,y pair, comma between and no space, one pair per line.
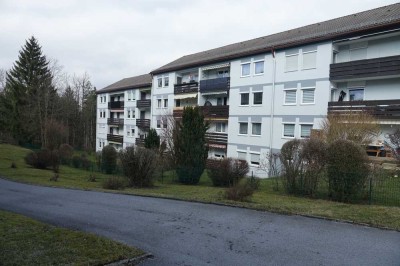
302,95
247,129
252,127
283,130
248,99
259,159
284,96
306,124
302,60
166,81
263,69
159,103
222,127
165,103
241,69
262,94
356,89
159,84
158,123
291,55
241,151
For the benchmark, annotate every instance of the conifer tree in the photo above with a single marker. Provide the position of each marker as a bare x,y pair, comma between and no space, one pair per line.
152,140
190,146
30,94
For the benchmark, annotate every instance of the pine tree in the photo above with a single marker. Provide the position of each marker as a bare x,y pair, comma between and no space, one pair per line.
152,140
190,146
31,95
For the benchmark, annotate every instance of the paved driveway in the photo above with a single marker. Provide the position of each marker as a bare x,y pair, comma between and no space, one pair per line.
183,233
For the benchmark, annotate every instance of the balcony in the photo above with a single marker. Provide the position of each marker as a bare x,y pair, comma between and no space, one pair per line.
215,112
216,139
215,85
367,68
116,105
139,142
115,138
382,109
143,103
186,88
115,121
143,123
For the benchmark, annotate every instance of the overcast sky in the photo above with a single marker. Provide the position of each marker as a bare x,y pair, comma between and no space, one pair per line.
111,40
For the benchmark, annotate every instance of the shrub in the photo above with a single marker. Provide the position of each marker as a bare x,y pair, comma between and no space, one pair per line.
114,182
313,156
109,159
54,177
55,160
227,172
13,165
139,166
239,192
66,152
39,159
291,165
85,162
98,160
152,140
92,178
347,170
77,161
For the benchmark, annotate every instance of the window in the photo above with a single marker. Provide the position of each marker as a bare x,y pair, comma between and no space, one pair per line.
129,114
101,99
308,96
305,131
166,81
256,129
129,95
219,101
159,80
254,159
158,123
243,128
101,114
165,123
133,96
288,130
133,113
290,96
245,69
356,95
257,99
158,103
259,67
358,51
222,73
310,60
220,127
165,103
242,155
244,99
291,62
99,143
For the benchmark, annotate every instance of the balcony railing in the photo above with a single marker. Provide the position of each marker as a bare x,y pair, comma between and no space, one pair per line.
116,105
115,138
143,123
212,85
115,121
367,68
217,138
385,109
216,112
143,103
139,141
186,88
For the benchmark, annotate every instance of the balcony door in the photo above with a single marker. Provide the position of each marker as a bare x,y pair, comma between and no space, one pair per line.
142,114
356,94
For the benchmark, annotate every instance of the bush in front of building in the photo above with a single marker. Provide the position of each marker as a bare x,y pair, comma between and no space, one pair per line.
43,159
227,172
114,183
241,191
292,165
109,159
347,170
66,152
139,166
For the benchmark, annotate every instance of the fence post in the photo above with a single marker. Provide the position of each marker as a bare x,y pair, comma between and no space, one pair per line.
370,190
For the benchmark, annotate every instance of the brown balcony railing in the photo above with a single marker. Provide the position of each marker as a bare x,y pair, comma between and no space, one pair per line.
115,121
216,138
139,141
186,88
367,68
385,109
143,123
116,105
217,111
143,103
115,138
218,84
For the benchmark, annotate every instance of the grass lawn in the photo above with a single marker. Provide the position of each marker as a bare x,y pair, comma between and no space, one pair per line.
25,241
266,198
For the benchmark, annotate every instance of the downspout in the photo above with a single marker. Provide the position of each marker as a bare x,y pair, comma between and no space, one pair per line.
272,102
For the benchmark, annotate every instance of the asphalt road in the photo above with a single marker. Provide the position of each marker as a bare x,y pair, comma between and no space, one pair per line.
183,233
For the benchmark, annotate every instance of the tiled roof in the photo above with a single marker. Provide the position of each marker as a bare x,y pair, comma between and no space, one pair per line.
141,81
373,19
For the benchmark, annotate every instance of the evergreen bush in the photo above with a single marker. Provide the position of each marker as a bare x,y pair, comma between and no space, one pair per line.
109,159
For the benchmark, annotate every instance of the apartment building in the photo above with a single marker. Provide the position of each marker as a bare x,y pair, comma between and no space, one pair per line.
123,112
260,93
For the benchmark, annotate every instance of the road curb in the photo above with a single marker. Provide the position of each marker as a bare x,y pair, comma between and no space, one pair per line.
132,261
